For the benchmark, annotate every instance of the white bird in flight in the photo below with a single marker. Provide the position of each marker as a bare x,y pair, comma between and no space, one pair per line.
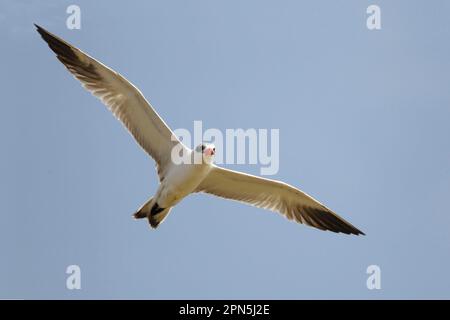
177,181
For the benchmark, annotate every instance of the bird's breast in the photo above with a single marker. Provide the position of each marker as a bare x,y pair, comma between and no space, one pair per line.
180,182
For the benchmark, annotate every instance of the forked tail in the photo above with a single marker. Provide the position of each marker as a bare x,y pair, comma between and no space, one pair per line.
153,212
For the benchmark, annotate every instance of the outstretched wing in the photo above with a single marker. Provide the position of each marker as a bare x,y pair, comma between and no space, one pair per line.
121,97
276,196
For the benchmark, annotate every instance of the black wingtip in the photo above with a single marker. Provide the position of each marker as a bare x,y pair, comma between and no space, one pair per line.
325,219
45,34
358,233
63,49
355,232
39,28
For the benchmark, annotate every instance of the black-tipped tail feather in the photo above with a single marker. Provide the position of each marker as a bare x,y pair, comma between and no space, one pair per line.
153,212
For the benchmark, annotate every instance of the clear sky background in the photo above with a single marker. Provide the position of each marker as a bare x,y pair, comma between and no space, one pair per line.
364,127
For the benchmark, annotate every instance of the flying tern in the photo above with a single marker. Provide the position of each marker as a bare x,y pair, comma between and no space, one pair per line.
177,181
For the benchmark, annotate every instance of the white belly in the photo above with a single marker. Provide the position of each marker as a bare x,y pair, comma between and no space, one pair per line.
180,182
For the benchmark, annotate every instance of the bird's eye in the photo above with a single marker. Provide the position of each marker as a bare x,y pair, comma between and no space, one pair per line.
214,149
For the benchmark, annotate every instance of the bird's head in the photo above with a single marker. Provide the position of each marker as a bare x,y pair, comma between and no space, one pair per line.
207,151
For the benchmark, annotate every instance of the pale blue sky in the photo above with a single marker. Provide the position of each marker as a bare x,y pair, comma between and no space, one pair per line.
364,127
